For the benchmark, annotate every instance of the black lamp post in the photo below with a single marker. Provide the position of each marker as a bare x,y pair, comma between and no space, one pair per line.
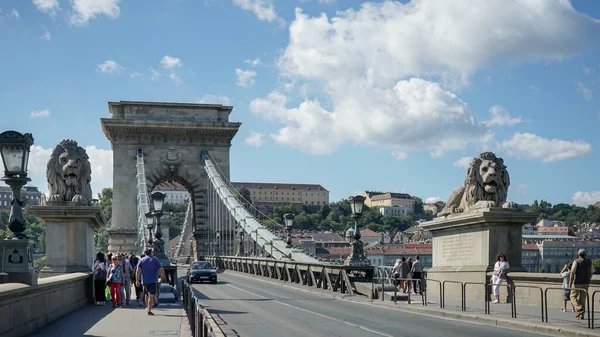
357,257
14,149
149,226
158,200
217,238
241,251
289,221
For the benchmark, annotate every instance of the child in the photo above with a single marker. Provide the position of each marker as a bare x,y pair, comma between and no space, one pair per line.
565,273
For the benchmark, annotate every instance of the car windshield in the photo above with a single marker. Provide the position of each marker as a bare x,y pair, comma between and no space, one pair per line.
201,265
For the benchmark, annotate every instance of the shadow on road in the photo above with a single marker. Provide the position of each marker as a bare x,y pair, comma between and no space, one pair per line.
225,312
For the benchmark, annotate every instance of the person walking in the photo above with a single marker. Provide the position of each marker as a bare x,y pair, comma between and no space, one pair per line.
500,270
581,274
99,271
417,274
114,280
565,274
138,290
147,274
126,286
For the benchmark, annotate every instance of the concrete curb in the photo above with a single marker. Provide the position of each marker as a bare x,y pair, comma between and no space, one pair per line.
447,314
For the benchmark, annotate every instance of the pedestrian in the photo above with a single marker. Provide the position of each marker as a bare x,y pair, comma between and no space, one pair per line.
565,274
99,270
500,270
147,274
114,280
579,282
126,287
417,271
396,274
404,270
138,290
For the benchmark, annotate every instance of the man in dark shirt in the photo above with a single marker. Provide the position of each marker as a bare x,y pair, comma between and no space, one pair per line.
581,275
148,269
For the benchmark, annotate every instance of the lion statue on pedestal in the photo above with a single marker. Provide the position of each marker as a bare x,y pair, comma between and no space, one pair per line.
69,174
486,186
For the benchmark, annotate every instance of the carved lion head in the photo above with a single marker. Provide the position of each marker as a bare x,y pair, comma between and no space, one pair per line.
69,173
487,179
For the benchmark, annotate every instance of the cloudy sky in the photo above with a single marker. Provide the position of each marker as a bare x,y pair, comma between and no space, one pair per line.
382,95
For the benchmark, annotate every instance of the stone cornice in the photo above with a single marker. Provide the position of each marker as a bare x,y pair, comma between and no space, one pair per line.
492,216
112,105
68,212
113,128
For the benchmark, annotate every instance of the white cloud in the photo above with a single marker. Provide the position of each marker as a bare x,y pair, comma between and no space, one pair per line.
135,74
531,146
500,117
521,189
175,78
214,99
432,200
586,198
154,75
367,67
170,62
40,113
255,139
534,88
245,78
488,79
14,14
430,117
399,155
463,162
101,163
586,70
49,7
254,62
46,36
263,9
85,10
584,90
109,67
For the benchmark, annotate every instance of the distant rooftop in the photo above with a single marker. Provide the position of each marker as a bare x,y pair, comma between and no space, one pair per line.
390,195
278,186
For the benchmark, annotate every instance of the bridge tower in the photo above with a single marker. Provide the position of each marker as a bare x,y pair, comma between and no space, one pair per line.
171,137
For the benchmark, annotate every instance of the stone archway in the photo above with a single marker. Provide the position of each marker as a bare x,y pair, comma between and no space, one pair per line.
171,137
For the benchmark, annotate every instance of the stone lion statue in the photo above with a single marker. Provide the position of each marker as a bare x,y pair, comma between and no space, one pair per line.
486,186
69,174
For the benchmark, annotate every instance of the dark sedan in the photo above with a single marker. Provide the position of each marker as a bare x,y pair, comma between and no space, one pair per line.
201,271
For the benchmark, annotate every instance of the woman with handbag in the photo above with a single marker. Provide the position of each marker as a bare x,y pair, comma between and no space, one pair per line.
114,279
500,270
99,271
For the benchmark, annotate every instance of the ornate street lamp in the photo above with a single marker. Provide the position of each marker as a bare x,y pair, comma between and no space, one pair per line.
14,150
289,221
241,251
149,226
217,239
357,257
158,200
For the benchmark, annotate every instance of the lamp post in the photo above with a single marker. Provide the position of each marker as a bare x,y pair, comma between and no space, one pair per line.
158,200
217,238
241,251
16,250
289,221
357,257
149,226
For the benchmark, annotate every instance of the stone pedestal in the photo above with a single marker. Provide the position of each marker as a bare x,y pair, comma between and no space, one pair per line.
123,240
16,260
465,247
69,236
357,258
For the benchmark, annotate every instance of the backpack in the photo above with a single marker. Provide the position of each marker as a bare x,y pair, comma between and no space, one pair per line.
101,274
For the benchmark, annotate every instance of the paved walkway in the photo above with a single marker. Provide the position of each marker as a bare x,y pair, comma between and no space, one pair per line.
132,321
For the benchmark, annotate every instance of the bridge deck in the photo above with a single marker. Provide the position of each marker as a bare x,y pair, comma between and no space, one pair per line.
255,307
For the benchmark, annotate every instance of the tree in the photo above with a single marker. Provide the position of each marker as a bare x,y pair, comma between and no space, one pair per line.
105,199
596,264
418,206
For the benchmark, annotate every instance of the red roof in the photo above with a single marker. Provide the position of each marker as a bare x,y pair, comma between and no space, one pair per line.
419,245
369,233
530,246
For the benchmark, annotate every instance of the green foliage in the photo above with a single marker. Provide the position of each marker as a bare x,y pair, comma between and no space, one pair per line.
39,263
105,203
544,269
418,206
596,264
101,241
572,215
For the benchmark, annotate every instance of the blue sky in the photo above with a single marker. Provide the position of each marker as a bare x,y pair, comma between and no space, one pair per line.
384,95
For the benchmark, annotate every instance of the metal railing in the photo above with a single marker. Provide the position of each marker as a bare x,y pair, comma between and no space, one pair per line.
462,293
542,300
201,322
511,298
587,298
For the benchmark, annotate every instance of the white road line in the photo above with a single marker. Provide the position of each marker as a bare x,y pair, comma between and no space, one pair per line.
314,313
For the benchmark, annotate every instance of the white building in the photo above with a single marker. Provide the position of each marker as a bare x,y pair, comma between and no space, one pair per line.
175,193
395,210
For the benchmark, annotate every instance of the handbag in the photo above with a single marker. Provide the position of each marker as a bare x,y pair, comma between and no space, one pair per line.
107,293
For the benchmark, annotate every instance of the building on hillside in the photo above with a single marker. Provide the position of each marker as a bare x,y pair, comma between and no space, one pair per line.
31,195
333,254
393,199
555,254
368,195
401,238
395,210
367,236
549,223
538,238
530,257
529,229
556,230
279,193
176,194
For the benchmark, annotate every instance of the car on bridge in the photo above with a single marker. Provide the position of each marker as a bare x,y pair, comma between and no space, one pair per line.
201,271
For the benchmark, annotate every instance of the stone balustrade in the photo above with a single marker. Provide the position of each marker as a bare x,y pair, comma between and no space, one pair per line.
24,309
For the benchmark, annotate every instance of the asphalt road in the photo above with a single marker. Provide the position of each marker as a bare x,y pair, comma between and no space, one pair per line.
254,308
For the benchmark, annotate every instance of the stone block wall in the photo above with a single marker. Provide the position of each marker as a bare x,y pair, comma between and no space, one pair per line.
25,309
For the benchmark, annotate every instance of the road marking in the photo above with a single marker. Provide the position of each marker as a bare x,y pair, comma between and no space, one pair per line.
315,313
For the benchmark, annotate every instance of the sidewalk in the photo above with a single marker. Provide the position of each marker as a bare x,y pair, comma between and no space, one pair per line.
102,321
